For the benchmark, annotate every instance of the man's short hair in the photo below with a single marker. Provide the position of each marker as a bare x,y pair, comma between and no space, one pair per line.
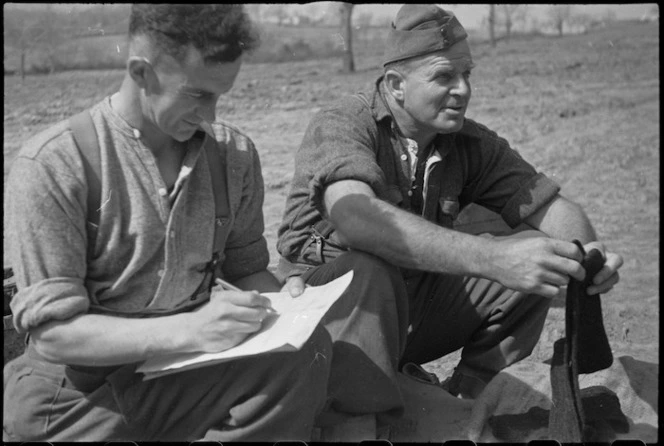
405,66
221,32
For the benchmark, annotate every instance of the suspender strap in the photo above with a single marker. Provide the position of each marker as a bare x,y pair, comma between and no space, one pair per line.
217,165
86,140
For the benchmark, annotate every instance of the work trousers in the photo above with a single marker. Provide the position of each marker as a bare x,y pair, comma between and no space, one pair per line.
347,368
265,398
368,326
442,313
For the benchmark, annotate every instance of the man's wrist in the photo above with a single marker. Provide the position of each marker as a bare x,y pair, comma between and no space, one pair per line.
484,256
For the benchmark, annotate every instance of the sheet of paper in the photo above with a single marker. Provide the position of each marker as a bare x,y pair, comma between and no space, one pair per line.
288,330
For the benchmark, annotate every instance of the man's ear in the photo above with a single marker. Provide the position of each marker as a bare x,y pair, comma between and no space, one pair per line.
141,71
394,83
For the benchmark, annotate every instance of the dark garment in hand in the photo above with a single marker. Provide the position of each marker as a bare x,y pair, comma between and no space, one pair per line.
585,349
593,351
587,415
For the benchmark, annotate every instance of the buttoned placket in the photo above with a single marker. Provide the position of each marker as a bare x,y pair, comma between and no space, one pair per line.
407,171
169,264
412,157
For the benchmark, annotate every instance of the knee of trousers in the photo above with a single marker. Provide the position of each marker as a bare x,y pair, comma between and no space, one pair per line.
375,281
315,355
540,304
304,372
377,296
370,266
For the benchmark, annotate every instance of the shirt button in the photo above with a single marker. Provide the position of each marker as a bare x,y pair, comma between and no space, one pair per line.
172,234
163,192
160,273
404,157
410,193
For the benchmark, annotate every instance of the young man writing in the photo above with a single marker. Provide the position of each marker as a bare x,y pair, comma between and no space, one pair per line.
99,297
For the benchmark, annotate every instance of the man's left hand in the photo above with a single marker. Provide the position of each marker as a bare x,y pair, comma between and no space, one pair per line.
294,285
608,276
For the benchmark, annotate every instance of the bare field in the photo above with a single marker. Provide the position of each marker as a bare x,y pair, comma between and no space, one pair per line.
584,109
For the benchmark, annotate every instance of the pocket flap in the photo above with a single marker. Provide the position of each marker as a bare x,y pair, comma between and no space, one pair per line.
449,206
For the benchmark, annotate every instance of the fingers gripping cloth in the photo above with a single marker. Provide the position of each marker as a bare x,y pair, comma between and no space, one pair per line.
592,414
583,319
584,349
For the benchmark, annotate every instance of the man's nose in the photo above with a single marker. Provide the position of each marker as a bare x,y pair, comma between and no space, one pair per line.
462,87
207,111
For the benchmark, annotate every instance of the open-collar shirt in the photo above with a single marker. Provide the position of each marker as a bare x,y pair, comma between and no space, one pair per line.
357,139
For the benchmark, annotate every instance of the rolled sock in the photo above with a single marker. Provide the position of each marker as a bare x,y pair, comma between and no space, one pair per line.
585,349
593,350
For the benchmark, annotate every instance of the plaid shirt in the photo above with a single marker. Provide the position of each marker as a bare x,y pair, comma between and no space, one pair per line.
354,140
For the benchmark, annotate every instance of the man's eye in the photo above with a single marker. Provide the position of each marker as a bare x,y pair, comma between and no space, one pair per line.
198,95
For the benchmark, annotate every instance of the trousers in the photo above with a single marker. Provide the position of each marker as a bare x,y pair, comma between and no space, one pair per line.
348,368
252,399
438,314
368,327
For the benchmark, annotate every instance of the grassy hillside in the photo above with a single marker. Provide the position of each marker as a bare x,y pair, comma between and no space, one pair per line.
109,50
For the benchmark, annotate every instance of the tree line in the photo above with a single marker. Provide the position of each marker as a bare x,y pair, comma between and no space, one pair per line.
28,27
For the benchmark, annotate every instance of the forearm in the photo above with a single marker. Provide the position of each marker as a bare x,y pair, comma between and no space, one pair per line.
563,219
101,340
372,225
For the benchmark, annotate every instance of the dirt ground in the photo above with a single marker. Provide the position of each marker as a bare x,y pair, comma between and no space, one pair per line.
583,109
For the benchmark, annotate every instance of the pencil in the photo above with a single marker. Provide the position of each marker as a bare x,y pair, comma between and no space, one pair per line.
231,287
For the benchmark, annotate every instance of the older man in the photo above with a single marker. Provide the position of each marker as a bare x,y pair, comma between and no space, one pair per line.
103,287
386,173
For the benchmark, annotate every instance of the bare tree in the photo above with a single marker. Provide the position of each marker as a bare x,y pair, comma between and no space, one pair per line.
254,10
492,24
279,11
582,22
346,14
510,15
31,30
559,15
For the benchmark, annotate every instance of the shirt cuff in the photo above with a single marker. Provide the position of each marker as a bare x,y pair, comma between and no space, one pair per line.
58,298
347,168
537,192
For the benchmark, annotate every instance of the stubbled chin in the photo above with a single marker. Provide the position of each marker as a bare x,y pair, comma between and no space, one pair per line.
452,125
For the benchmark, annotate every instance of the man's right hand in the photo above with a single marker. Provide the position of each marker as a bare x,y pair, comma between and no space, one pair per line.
228,318
535,265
